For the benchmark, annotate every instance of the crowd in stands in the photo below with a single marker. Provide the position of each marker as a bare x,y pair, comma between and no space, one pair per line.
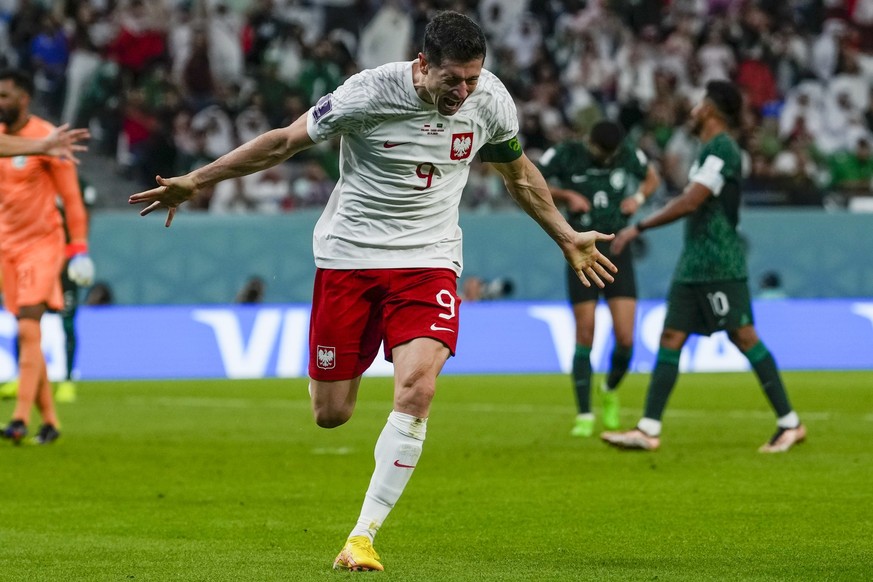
168,85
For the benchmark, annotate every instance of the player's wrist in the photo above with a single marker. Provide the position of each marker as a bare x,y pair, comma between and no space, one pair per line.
639,197
76,248
639,226
45,145
195,180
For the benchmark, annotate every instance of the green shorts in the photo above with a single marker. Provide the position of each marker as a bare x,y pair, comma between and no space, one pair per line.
625,284
704,308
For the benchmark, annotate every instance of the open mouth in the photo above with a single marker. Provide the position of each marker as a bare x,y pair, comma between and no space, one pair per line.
451,104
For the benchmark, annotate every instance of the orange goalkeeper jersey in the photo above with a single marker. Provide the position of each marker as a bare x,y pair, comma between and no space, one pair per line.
29,186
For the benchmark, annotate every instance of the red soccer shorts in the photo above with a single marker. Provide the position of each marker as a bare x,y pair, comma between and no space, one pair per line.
353,311
33,276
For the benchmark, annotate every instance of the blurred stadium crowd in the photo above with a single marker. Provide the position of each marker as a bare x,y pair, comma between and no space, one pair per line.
168,85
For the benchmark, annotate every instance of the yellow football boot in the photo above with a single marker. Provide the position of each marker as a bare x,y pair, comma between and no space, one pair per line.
358,555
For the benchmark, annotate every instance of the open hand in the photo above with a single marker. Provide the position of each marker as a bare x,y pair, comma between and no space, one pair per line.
63,142
577,203
629,206
588,262
624,236
170,193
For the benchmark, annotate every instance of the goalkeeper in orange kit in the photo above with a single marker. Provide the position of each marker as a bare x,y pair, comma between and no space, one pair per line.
33,249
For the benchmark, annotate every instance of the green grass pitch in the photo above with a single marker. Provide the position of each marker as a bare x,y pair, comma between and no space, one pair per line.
231,480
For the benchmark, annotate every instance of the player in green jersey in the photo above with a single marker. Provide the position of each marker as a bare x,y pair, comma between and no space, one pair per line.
66,389
591,179
710,290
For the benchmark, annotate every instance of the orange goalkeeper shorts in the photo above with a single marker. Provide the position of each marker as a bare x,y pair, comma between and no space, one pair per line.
33,275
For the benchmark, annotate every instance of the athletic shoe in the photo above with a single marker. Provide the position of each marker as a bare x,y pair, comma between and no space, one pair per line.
16,430
9,390
583,427
65,392
358,555
611,407
784,439
632,439
47,434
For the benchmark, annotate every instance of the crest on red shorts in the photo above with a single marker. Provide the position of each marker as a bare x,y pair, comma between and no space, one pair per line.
462,145
326,357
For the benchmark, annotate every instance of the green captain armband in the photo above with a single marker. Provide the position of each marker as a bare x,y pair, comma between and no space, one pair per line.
501,153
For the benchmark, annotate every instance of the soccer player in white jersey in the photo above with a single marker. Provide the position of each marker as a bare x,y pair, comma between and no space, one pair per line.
388,245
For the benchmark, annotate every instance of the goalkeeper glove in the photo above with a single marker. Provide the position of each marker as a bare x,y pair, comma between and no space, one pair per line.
80,269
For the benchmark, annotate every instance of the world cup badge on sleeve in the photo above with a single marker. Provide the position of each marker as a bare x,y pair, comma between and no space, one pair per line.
322,108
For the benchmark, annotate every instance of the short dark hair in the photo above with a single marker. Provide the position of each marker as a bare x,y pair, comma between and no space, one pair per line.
727,99
607,135
452,36
20,78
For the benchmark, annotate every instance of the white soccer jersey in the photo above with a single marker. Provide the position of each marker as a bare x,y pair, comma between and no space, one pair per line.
403,166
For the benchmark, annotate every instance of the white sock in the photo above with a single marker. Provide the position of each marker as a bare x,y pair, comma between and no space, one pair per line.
397,452
585,416
790,420
650,426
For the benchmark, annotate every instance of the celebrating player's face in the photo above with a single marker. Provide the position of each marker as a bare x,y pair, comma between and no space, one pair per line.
11,105
698,115
449,84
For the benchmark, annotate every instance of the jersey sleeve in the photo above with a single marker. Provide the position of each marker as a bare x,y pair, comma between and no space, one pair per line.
718,164
503,123
343,111
637,162
66,182
551,162
710,173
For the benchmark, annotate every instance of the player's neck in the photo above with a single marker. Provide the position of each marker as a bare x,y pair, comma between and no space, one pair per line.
711,129
418,83
19,123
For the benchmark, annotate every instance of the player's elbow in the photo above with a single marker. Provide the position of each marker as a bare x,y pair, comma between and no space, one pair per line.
654,178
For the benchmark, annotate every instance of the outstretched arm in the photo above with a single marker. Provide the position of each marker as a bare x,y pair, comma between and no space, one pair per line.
528,188
691,198
265,151
62,142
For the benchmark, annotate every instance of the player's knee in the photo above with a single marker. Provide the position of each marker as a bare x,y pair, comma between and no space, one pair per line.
584,330
29,330
330,418
329,422
331,413
624,340
745,338
672,339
